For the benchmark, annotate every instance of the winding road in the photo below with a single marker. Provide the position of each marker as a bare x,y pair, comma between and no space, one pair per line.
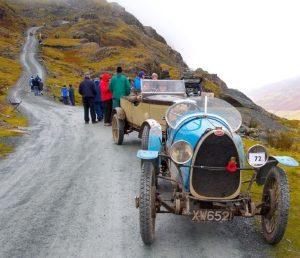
68,191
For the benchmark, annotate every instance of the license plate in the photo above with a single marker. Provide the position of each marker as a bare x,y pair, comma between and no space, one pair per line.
212,215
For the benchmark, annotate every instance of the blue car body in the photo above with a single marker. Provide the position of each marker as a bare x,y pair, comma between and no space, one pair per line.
199,161
192,127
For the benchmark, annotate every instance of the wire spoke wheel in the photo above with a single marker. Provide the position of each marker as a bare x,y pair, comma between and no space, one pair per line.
117,129
147,203
276,201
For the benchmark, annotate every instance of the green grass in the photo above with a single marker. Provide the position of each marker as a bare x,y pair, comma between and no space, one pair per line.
5,149
62,42
212,87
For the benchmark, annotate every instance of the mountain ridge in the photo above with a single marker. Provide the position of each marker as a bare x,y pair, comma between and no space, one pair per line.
282,97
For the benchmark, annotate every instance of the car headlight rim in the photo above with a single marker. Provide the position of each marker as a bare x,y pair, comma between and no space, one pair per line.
260,149
181,152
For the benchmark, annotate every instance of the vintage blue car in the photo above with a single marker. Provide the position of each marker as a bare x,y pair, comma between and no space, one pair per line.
194,168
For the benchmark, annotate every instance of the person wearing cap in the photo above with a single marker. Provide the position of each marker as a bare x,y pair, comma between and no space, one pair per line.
119,86
87,89
137,81
165,75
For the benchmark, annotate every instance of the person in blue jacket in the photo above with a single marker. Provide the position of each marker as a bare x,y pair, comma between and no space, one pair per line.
65,94
98,101
137,81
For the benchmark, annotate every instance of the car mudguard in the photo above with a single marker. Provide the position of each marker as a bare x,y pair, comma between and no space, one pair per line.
287,161
120,113
263,171
155,134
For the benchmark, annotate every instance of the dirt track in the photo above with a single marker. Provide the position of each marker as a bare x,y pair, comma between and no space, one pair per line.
68,191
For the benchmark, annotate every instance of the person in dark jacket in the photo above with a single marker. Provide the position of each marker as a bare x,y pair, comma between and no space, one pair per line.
165,75
41,87
87,90
36,83
98,101
106,97
65,94
71,94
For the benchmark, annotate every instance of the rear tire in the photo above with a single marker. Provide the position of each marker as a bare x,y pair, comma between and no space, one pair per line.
117,129
147,203
145,137
276,196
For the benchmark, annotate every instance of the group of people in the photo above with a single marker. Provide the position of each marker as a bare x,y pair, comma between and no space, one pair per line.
100,96
36,85
96,98
67,94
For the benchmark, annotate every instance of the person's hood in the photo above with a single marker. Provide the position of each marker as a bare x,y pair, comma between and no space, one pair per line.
106,77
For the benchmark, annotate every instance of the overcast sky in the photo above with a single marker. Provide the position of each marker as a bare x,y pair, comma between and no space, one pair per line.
248,43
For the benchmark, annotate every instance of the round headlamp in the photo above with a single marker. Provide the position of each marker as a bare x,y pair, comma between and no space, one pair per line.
181,152
257,156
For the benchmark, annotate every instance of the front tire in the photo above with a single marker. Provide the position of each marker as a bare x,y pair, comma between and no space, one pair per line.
117,130
276,196
147,203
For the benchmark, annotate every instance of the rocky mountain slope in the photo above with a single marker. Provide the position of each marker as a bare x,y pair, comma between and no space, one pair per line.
103,35
97,36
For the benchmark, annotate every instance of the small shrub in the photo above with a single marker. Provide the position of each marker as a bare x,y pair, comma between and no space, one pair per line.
280,140
209,86
253,123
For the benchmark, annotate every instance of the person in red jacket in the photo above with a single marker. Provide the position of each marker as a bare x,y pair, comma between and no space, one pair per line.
106,98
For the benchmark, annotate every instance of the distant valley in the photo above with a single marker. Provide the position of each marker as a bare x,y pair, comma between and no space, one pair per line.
282,98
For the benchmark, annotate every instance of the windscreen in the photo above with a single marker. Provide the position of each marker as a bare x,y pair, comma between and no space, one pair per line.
200,106
162,87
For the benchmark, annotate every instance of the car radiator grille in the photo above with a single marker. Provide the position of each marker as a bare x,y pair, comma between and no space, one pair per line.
215,151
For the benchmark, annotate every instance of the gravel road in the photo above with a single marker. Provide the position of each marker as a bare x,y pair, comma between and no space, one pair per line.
67,191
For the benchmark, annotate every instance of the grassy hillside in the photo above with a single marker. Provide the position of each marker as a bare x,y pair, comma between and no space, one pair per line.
11,38
95,36
66,58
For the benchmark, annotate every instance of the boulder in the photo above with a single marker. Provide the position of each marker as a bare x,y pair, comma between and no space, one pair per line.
90,33
104,52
